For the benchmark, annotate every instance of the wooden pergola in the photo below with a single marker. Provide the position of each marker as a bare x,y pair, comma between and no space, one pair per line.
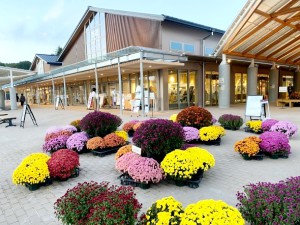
265,30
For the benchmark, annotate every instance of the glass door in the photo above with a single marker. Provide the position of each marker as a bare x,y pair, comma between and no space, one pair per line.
211,88
173,89
240,87
183,89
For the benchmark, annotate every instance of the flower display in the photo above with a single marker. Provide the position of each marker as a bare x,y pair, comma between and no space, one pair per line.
97,203
183,164
267,124
285,127
137,125
113,140
211,133
173,117
190,133
122,134
77,141
62,163
53,129
157,137
194,116
54,132
70,128
128,127
295,95
32,170
123,150
99,123
211,212
272,142
164,211
271,203
254,125
248,146
76,123
145,170
229,121
56,143
123,162
95,143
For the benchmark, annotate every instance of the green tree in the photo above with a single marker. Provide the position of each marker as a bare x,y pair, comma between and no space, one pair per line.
58,50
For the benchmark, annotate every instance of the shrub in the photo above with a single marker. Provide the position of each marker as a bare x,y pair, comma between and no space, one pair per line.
285,127
267,124
95,143
272,142
158,137
123,162
164,211
248,146
63,163
32,170
113,140
123,150
145,170
190,133
77,141
99,123
56,143
230,121
194,116
74,206
211,212
271,203
211,133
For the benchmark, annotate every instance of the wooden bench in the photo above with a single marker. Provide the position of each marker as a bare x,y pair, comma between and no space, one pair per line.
8,120
282,102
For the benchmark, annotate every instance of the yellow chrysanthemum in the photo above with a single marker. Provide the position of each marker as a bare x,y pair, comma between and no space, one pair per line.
123,134
254,125
211,133
173,117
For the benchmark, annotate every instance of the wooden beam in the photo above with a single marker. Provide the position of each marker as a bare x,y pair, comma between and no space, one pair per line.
285,11
284,46
261,40
248,35
292,57
288,52
268,47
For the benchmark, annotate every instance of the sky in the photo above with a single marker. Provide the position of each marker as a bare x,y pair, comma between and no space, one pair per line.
38,27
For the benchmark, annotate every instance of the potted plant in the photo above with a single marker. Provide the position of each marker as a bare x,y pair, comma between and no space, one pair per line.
194,116
113,140
76,123
164,211
254,126
211,212
123,162
33,171
56,143
145,171
69,128
77,141
275,144
95,143
191,134
287,128
64,164
100,123
158,137
97,203
123,134
123,150
249,148
231,122
211,134
267,124
271,203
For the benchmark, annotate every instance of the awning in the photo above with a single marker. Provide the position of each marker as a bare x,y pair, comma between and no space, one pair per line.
17,74
266,30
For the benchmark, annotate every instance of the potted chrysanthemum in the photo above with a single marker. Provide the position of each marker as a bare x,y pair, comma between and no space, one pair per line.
249,148
211,135
254,126
287,128
230,122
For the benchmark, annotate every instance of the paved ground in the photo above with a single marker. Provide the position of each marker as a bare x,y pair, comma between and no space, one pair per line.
18,205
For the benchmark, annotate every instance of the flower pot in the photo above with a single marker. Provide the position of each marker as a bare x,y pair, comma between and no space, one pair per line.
130,133
34,187
75,173
180,183
127,180
212,142
258,156
144,185
231,128
107,151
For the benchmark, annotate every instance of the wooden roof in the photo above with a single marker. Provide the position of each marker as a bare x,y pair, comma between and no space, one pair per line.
267,30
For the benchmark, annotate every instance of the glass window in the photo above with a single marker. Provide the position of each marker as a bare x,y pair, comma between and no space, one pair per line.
172,88
183,96
192,82
189,48
176,46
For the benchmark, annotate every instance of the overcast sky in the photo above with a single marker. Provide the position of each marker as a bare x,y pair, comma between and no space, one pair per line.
28,27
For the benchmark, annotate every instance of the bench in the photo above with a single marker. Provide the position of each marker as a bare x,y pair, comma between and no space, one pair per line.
282,102
8,120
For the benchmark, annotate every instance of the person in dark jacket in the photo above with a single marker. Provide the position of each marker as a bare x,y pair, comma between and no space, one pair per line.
22,99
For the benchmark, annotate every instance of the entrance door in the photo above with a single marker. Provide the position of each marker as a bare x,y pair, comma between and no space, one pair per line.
240,87
263,84
211,88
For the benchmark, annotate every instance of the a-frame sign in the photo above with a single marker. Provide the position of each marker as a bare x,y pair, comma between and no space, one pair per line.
27,110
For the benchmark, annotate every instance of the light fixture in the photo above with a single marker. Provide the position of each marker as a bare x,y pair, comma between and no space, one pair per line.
150,66
228,60
101,74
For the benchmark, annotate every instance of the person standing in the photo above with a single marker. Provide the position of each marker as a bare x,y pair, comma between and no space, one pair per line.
290,89
22,99
17,97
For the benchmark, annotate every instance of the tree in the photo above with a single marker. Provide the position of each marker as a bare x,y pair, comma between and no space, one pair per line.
25,65
58,50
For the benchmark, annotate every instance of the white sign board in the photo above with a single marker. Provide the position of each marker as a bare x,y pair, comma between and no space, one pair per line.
282,89
136,149
254,105
90,101
56,101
